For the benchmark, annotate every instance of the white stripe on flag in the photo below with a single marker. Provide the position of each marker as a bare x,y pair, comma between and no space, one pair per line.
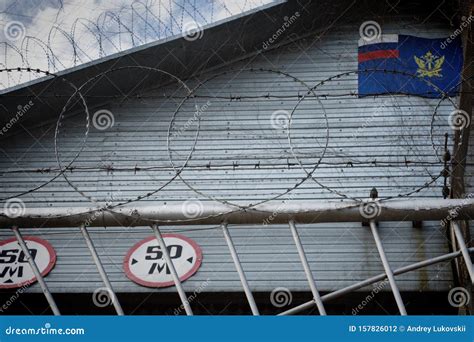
384,38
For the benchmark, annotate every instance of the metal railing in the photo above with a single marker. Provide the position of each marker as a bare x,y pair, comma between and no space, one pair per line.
429,211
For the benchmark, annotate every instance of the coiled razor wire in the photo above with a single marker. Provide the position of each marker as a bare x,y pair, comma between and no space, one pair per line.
454,123
77,91
62,170
342,194
115,30
140,197
110,207
252,205
178,171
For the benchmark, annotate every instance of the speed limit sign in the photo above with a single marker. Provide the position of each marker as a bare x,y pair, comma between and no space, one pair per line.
146,265
15,270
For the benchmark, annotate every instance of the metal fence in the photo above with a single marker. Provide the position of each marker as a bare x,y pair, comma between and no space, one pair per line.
315,212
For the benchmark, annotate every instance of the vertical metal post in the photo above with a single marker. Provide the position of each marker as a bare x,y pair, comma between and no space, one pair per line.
36,271
174,274
464,251
100,268
240,271
307,269
388,270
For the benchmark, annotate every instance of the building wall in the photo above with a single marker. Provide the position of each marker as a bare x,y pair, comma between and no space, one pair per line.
242,156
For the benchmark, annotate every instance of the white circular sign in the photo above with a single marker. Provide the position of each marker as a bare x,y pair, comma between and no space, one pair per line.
15,271
146,265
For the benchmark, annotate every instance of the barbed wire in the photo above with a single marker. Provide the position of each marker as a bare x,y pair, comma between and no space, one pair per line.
86,84
287,191
354,94
112,31
250,166
444,96
78,93
233,207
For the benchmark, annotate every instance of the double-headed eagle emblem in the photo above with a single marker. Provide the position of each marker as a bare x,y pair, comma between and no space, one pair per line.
429,65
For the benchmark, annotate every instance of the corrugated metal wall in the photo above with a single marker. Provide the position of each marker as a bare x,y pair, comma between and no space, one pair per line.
241,157
469,171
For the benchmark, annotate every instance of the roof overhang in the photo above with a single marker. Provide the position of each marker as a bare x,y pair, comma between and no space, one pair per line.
222,42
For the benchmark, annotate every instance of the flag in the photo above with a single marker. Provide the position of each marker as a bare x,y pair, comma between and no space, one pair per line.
404,64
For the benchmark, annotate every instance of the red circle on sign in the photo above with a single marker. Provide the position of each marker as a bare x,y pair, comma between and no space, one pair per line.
49,267
182,278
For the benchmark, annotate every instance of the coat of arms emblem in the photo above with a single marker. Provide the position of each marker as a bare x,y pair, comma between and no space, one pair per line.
429,65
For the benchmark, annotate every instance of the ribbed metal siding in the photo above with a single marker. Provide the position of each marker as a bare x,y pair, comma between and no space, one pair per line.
339,254
240,133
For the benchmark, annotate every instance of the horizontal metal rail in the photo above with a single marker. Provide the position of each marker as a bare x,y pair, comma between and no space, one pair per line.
216,213
369,281
304,212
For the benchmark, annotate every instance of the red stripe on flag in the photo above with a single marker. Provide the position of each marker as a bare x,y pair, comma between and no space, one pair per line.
379,54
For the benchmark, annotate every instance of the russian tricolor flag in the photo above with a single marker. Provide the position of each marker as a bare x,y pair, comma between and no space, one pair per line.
402,64
383,47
